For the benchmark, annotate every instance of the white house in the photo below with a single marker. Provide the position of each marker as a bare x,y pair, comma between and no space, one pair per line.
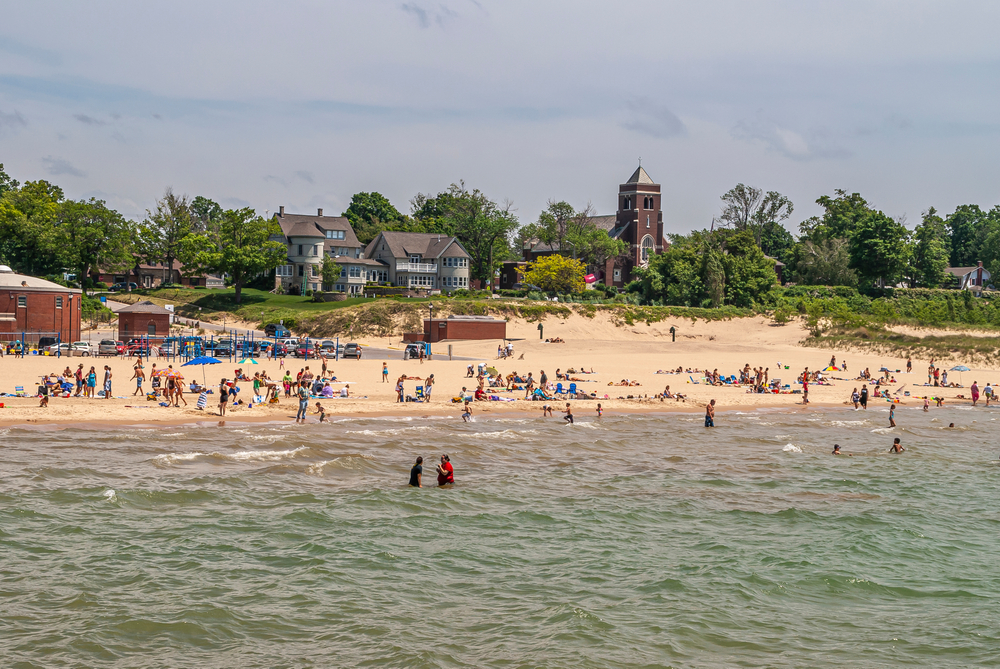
971,278
421,260
309,239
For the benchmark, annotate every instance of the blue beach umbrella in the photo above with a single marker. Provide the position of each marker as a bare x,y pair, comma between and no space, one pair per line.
960,369
202,361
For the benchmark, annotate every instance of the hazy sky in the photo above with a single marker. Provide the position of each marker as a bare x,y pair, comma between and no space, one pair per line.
303,104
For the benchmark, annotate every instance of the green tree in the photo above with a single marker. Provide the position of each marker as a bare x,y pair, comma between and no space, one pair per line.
749,273
556,273
27,239
968,228
822,263
840,219
240,247
205,214
776,241
93,236
330,271
674,278
370,214
879,250
749,208
930,251
165,229
6,182
482,226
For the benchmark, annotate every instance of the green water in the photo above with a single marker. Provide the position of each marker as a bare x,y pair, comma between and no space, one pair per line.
625,542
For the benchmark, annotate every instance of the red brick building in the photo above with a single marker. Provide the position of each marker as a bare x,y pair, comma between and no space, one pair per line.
464,327
143,319
37,307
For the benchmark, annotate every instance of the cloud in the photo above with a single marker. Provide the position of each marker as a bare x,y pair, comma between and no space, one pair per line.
58,166
277,180
427,16
305,176
33,53
13,120
649,118
817,143
88,120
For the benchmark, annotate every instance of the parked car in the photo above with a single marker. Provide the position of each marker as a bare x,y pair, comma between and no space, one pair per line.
291,343
275,330
331,348
81,348
167,347
412,351
58,349
352,351
307,351
223,348
109,347
45,342
138,347
123,286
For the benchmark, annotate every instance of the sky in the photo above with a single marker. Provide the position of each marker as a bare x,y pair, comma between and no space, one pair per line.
304,103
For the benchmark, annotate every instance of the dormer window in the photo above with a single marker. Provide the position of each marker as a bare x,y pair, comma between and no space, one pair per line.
415,259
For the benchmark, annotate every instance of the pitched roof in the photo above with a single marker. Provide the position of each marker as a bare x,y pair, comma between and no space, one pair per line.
405,244
302,225
962,271
640,177
605,223
144,307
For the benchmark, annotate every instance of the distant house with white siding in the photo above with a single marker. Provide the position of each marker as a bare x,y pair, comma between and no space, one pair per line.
971,278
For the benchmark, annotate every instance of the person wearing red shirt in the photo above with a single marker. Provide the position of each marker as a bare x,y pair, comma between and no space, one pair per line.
445,472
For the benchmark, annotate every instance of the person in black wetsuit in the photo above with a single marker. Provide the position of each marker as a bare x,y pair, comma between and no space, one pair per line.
416,472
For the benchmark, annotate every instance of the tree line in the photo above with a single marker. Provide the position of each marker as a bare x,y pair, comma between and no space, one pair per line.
850,244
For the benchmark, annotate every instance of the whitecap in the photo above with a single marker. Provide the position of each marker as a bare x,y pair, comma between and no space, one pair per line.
170,458
883,430
791,448
243,456
109,495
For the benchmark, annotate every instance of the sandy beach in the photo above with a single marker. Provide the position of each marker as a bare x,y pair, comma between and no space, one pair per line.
614,353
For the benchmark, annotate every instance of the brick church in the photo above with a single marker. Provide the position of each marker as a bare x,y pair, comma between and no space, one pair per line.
638,223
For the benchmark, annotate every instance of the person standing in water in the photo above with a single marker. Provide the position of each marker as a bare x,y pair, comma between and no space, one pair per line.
710,414
467,414
600,411
892,415
855,398
445,472
569,414
863,398
975,393
416,473
836,449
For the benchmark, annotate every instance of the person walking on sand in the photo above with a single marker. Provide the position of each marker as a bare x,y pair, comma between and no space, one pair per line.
385,372
399,389
416,473
975,393
303,394
428,387
909,365
79,380
896,446
91,382
710,414
569,414
138,376
107,382
445,472
892,415
805,386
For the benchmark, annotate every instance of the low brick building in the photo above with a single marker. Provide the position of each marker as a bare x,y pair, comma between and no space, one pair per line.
143,319
464,327
36,307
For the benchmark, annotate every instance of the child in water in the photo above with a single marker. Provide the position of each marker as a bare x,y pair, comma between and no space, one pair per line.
600,411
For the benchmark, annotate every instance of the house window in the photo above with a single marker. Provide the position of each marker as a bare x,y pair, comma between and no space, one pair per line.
339,287
302,270
334,234
355,271
343,272
22,301
647,249
58,301
414,258
283,270
618,275
314,270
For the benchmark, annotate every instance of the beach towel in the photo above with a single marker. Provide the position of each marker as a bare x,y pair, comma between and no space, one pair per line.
202,400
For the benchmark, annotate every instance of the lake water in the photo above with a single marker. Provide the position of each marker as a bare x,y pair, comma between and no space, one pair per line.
630,541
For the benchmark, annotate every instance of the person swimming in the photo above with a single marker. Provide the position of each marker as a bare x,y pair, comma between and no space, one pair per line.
836,449
896,446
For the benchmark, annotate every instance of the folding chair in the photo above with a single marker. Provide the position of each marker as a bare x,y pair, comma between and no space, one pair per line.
420,393
19,391
692,380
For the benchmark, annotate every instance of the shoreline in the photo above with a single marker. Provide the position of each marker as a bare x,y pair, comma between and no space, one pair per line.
441,411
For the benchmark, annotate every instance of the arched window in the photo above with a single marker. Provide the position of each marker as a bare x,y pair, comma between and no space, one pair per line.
646,249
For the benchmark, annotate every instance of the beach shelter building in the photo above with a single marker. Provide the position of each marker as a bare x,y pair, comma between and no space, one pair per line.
143,319
31,305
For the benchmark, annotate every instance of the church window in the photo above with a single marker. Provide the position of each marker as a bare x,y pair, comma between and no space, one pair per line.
647,249
627,204
647,220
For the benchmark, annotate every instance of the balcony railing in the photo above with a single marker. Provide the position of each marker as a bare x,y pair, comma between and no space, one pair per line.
425,267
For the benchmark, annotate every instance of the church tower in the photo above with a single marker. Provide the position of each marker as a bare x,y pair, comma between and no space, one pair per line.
638,223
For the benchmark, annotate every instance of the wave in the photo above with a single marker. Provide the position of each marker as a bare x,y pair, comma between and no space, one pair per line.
238,456
791,448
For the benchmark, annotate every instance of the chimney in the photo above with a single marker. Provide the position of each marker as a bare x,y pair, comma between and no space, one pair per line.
980,263
319,212
281,210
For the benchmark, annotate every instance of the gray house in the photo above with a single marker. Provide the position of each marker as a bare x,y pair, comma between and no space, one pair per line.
309,239
421,260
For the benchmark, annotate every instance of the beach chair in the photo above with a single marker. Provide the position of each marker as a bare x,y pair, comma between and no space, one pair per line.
19,391
559,389
572,389
419,393
693,381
